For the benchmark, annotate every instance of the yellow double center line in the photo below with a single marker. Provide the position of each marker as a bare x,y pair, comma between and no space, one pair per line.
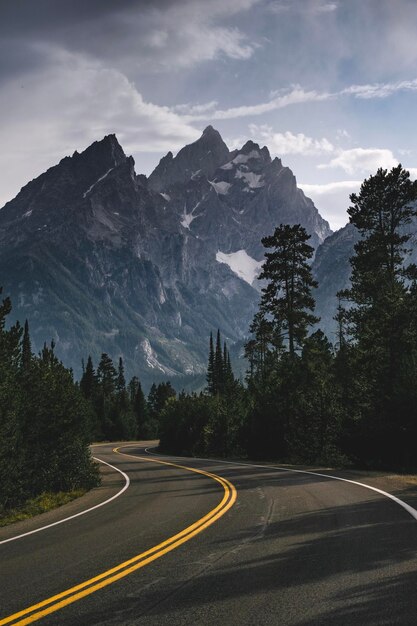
60,600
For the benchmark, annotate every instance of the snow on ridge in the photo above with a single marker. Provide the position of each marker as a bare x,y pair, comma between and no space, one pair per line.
243,265
227,166
97,181
28,213
244,158
165,196
254,181
150,356
187,218
221,188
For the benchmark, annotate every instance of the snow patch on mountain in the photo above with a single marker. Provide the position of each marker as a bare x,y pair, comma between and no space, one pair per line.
254,181
150,356
187,218
244,158
97,181
243,265
166,196
221,188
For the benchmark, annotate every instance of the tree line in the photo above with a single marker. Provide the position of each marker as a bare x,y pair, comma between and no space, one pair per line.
45,423
120,410
306,400
48,419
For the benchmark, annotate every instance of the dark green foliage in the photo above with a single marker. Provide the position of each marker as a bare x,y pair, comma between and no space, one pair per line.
381,319
26,349
214,422
159,396
88,382
210,368
139,407
44,421
287,297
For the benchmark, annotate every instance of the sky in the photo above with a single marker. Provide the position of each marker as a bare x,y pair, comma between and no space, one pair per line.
330,86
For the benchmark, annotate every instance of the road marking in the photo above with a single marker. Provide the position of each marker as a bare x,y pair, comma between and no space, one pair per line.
92,508
404,505
60,600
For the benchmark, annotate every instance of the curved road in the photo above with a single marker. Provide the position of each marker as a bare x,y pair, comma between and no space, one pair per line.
294,549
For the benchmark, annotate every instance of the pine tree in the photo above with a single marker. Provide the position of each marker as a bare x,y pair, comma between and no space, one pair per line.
139,410
26,349
382,312
287,297
210,368
218,366
88,380
106,375
121,381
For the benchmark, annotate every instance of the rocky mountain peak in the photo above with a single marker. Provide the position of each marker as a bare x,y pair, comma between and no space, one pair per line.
202,157
103,259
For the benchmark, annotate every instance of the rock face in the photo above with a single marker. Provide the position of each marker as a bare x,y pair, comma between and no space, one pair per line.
103,260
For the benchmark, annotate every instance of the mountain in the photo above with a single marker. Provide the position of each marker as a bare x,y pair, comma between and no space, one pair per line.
331,269
104,260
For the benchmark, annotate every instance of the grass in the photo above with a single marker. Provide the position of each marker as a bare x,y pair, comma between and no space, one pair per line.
42,503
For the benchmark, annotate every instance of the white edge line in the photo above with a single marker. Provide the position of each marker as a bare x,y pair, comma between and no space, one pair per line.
67,519
404,505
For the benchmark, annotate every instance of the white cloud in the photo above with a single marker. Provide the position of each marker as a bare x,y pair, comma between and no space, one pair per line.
73,103
296,95
326,7
310,7
332,199
379,90
326,189
192,109
361,160
290,143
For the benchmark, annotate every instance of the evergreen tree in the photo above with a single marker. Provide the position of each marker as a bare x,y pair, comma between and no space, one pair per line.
106,375
26,349
121,381
139,410
381,314
218,366
211,387
88,380
287,297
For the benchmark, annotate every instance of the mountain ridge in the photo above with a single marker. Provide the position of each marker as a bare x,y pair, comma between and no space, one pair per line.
100,258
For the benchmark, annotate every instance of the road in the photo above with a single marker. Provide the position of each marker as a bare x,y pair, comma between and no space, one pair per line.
293,549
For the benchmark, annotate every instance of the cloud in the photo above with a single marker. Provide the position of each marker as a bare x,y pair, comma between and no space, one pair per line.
332,199
295,95
290,143
361,160
72,103
194,109
298,95
379,90
134,36
311,7
326,189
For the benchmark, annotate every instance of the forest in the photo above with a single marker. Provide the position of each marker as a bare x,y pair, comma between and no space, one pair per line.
304,400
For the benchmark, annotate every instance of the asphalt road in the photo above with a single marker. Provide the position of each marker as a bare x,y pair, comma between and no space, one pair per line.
294,549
